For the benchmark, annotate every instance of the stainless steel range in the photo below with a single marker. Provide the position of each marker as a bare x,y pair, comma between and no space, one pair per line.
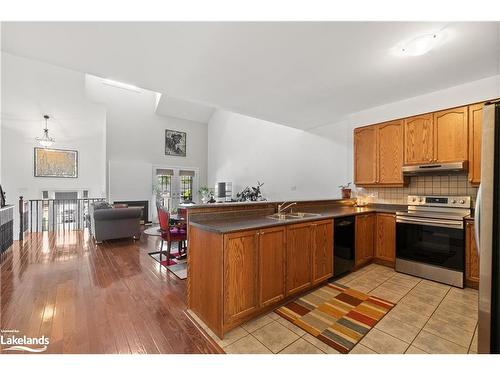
430,238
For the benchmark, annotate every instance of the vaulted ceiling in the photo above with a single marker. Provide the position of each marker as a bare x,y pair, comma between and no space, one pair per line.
299,74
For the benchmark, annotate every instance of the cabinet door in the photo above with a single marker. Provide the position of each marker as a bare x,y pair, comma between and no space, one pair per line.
451,135
390,153
385,237
475,124
471,256
418,140
322,251
365,155
271,265
364,238
298,257
241,270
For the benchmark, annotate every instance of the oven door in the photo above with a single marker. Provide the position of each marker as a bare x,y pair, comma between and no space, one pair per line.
432,241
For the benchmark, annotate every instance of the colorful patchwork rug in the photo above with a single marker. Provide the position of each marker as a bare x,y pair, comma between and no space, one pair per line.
336,314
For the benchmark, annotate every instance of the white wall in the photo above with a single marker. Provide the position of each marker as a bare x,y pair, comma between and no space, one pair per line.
311,164
31,89
1,122
293,164
136,141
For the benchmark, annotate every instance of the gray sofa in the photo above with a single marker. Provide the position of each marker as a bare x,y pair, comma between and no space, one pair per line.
107,223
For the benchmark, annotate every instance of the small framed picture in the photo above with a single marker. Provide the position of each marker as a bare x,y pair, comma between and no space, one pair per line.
175,143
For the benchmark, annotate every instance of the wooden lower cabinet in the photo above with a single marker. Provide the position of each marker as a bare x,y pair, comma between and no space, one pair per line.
322,254
272,253
298,257
309,255
385,238
365,225
241,271
471,256
237,276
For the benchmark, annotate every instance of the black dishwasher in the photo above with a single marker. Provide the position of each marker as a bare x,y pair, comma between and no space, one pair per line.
343,250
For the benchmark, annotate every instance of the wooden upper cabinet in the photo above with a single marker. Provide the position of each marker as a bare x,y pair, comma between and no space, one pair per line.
390,153
365,225
385,237
271,265
241,270
322,251
451,135
418,140
365,155
378,154
475,126
298,257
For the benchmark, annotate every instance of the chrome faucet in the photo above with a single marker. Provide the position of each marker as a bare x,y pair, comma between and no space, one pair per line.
281,208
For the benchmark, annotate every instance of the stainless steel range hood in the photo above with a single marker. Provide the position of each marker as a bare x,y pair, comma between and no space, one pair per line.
435,168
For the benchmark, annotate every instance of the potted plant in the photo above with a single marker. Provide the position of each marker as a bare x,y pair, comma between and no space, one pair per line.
186,196
346,191
252,194
205,194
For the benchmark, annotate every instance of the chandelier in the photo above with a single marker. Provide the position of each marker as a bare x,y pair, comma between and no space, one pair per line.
45,140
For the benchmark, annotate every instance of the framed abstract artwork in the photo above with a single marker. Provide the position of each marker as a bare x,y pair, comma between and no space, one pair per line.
175,143
57,163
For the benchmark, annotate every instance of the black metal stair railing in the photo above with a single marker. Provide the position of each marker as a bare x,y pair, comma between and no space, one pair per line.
40,215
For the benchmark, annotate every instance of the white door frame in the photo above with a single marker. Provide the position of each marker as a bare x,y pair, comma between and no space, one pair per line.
176,181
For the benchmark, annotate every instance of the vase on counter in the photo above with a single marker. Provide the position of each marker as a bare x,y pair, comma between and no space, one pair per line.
205,194
346,193
205,198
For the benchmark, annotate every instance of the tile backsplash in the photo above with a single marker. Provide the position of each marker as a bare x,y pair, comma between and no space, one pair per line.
457,184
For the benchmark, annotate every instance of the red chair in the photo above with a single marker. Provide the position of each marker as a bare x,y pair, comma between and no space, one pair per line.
170,233
182,214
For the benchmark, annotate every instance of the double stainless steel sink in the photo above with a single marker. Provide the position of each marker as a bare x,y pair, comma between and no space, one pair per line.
293,215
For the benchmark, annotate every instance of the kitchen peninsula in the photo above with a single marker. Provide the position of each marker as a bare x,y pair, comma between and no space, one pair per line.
244,261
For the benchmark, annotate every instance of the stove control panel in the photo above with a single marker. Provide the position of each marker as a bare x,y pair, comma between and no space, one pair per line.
439,201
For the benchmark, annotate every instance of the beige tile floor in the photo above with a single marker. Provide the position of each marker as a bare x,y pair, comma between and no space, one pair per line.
429,318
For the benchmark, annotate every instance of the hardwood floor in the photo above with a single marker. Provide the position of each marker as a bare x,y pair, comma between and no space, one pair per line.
88,298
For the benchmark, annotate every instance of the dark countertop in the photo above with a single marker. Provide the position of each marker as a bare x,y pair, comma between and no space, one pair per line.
249,222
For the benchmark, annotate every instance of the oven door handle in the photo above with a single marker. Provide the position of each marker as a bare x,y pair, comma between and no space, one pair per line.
431,222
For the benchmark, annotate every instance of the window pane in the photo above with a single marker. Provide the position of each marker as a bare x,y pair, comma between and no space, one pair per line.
165,184
186,188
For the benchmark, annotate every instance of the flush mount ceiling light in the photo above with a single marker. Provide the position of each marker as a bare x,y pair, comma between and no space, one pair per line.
45,140
419,45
